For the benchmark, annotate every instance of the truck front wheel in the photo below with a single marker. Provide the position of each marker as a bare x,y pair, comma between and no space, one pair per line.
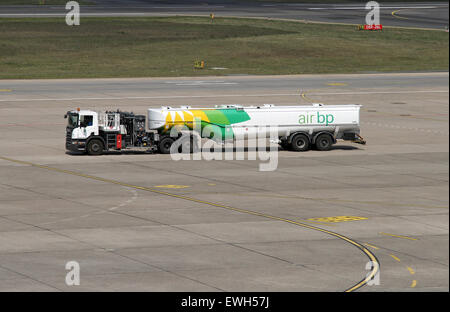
165,144
95,147
324,142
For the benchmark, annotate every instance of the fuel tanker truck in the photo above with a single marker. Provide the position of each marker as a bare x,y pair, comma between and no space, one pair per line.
299,128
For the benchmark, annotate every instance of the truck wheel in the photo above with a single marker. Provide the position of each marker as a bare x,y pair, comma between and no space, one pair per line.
285,145
165,144
300,143
324,142
95,147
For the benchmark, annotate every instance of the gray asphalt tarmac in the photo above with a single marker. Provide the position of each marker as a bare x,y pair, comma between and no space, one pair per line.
147,223
415,14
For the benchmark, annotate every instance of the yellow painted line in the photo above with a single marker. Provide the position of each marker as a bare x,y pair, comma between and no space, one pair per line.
374,247
399,236
411,270
395,258
172,186
303,95
394,14
333,200
5,90
337,219
321,223
211,184
368,253
413,284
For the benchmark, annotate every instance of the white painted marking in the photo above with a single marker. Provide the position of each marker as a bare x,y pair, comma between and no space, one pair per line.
381,7
206,83
200,82
220,95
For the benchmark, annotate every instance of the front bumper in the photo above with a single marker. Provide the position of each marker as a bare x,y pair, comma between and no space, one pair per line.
76,145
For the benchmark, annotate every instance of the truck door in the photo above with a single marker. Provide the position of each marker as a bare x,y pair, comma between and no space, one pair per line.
87,125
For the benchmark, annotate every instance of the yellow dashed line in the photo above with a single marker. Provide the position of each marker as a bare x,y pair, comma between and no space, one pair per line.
368,253
413,284
372,246
395,258
172,186
337,219
399,236
5,90
411,270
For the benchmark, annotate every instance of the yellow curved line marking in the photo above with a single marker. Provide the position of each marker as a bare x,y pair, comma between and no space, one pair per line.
395,258
368,253
399,236
303,95
394,14
413,284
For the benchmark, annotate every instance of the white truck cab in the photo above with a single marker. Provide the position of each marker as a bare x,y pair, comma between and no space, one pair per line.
87,125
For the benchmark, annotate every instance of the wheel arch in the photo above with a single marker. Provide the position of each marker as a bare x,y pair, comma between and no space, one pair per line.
96,137
292,135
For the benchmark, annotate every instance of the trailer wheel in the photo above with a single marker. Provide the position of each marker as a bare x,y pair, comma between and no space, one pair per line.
300,143
165,144
324,142
95,147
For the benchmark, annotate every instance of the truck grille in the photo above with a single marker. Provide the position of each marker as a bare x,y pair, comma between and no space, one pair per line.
68,137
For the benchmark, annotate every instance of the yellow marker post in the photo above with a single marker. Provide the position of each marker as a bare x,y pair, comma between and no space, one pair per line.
199,64
212,17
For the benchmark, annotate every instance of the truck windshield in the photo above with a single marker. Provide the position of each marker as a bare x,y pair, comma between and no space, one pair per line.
72,120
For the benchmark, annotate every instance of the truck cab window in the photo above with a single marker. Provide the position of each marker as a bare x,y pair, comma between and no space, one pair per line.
86,121
72,120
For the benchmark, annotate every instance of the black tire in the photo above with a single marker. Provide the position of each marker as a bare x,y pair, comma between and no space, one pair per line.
300,143
285,146
165,144
324,142
95,147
